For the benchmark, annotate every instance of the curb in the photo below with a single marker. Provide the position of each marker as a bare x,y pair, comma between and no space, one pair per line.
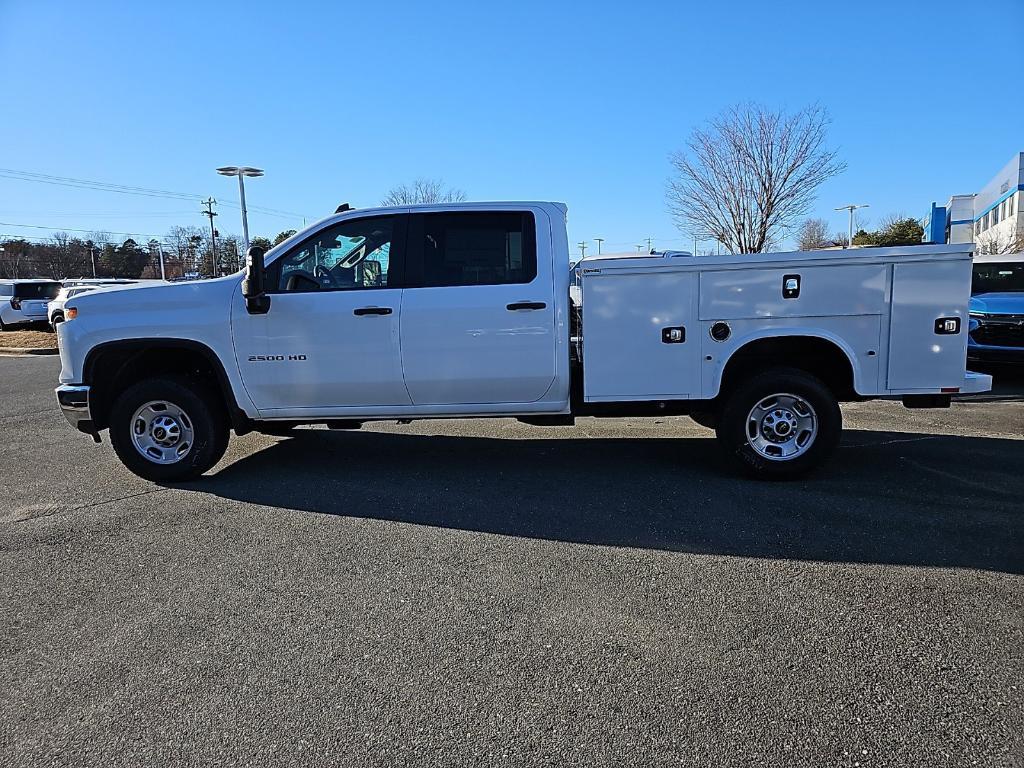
17,351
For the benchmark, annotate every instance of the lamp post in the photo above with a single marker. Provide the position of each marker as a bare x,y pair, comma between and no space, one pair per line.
240,172
851,209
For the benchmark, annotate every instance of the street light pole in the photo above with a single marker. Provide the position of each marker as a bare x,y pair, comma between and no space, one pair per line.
240,172
851,209
245,213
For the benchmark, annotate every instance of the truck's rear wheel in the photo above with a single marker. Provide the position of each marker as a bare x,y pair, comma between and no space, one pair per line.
781,423
168,428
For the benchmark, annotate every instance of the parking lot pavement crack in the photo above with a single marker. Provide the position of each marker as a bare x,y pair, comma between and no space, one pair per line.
986,487
38,511
893,442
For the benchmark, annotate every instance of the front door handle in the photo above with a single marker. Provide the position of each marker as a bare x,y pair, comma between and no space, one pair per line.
372,311
525,305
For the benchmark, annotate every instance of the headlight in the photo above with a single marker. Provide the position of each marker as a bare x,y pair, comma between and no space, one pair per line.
977,315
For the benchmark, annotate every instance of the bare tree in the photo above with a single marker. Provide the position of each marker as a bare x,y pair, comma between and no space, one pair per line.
423,191
66,256
813,234
751,174
12,257
991,245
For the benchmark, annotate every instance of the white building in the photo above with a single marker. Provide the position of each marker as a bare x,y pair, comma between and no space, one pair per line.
998,219
992,218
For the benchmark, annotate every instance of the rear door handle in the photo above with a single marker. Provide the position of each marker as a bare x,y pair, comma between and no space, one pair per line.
372,311
525,305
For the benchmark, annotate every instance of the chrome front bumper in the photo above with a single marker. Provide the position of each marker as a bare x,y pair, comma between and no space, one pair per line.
74,403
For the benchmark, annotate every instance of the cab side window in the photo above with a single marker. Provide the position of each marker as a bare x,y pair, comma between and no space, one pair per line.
458,249
352,255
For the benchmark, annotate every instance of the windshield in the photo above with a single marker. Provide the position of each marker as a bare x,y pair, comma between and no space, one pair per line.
998,277
36,290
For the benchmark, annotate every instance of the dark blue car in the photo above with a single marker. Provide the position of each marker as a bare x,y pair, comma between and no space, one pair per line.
996,332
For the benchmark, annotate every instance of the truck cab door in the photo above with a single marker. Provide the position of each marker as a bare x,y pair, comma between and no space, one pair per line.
478,314
330,339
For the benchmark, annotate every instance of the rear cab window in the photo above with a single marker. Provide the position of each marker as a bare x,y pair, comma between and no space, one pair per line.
472,248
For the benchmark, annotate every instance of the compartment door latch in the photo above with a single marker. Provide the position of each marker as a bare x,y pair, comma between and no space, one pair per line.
676,335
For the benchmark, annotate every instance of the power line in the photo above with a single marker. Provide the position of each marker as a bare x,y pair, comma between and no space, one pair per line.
125,189
107,214
70,229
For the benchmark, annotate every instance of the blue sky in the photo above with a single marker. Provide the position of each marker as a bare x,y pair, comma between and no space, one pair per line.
579,102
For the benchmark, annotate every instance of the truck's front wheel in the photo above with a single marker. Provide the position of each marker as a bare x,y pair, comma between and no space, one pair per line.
168,428
780,423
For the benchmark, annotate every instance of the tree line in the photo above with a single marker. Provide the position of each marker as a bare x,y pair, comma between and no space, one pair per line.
895,230
187,251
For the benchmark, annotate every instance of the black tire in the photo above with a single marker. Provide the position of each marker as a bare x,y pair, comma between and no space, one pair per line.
738,447
58,318
205,416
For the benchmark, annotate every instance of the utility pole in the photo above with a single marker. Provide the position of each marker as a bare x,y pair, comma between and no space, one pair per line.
640,248
598,240
650,246
583,249
853,216
160,250
92,258
694,245
209,203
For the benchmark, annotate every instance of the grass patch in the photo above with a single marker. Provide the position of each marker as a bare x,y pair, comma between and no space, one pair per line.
28,339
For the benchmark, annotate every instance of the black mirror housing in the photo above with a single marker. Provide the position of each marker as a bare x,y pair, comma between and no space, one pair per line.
253,286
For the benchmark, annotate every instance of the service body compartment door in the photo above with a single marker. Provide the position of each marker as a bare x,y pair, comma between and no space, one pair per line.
641,340
822,291
922,355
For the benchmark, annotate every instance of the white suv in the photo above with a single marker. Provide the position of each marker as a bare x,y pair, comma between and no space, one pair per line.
24,301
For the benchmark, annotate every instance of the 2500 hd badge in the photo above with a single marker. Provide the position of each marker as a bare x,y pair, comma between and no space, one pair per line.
274,358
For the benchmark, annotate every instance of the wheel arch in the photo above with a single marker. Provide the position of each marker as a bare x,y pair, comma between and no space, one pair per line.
112,366
821,354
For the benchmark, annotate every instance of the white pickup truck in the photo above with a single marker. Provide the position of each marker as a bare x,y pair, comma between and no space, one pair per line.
472,309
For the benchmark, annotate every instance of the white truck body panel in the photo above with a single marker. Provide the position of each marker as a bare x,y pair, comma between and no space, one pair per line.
877,305
919,359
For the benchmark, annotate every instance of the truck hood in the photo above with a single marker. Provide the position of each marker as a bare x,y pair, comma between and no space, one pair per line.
147,297
1008,303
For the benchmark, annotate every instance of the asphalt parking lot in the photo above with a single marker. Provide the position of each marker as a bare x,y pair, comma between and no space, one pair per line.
481,592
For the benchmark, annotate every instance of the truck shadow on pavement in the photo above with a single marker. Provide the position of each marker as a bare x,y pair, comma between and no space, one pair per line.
896,498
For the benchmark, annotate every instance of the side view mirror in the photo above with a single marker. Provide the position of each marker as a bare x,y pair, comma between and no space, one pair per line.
256,300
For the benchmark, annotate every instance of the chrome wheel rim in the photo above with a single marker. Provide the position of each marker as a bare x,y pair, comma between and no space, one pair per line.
782,427
162,432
